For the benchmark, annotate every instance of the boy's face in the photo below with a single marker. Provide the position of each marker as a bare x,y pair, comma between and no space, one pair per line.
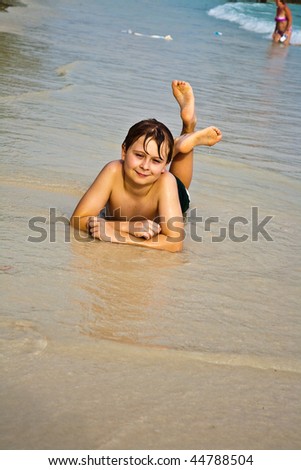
144,166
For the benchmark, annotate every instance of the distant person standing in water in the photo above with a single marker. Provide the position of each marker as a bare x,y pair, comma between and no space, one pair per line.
284,23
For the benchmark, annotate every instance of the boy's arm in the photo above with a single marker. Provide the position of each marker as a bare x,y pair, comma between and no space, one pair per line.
96,197
170,213
144,228
108,231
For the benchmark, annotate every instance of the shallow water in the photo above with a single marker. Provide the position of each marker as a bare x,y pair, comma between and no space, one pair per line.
197,349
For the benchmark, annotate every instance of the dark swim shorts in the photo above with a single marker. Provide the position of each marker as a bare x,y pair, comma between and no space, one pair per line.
183,195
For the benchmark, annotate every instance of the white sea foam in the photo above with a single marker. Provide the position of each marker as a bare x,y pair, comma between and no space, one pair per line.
236,13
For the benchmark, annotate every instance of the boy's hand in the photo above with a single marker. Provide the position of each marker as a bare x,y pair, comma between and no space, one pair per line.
144,229
100,228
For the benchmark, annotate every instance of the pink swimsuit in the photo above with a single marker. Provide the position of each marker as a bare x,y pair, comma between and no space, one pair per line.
280,19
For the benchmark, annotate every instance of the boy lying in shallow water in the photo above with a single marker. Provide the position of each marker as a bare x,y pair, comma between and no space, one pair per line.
144,202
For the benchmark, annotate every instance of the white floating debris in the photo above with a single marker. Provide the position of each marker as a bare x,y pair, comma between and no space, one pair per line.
153,36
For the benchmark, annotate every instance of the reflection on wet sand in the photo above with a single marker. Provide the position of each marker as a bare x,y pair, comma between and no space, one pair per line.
125,290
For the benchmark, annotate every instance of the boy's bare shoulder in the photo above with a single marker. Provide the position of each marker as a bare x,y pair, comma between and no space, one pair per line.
114,166
166,184
167,179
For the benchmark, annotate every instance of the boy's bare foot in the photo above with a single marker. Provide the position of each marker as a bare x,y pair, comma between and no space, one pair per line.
184,95
208,136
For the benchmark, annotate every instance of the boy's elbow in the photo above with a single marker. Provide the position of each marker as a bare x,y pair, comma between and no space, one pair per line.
174,246
175,240
177,247
79,223
75,222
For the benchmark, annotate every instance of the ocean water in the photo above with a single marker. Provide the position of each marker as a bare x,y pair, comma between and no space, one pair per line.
118,347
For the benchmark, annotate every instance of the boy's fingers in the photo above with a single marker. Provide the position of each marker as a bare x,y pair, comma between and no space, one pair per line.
154,226
157,229
93,225
92,221
145,235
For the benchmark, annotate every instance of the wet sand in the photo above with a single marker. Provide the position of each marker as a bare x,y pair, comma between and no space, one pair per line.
103,395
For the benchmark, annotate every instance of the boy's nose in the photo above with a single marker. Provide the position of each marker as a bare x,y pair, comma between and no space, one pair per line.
145,164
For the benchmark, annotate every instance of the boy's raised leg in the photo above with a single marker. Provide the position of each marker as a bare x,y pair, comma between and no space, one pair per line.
182,163
184,95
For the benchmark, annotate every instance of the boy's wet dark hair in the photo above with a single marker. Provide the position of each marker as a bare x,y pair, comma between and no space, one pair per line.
152,130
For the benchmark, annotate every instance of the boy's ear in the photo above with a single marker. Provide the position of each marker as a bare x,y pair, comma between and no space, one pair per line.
164,170
123,152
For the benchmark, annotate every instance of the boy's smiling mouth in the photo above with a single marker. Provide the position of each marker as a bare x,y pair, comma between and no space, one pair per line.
142,175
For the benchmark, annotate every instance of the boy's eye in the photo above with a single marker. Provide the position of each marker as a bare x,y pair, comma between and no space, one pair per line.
157,161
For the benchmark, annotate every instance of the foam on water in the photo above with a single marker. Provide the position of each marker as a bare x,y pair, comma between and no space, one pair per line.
236,13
